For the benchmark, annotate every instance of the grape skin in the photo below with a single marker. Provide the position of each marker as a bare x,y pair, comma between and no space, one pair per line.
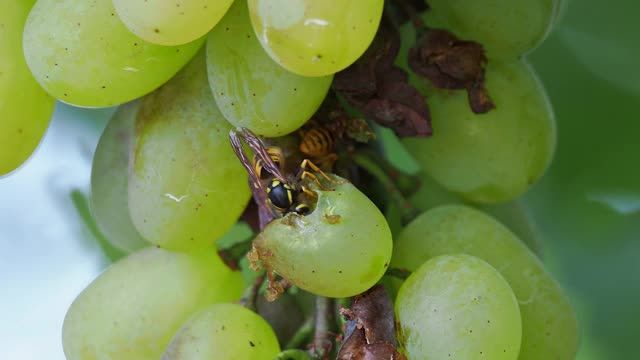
458,307
186,186
25,108
109,180
131,311
81,53
315,38
341,249
251,89
493,157
549,327
512,215
507,29
171,22
223,332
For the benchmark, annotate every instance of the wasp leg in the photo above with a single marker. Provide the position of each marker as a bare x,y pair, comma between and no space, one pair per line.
307,174
313,167
308,192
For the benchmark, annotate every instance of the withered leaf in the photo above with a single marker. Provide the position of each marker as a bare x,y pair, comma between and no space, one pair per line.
451,63
381,90
370,330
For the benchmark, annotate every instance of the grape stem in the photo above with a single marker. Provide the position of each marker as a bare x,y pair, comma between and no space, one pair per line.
293,354
302,335
250,294
398,273
411,11
232,255
374,167
324,319
83,209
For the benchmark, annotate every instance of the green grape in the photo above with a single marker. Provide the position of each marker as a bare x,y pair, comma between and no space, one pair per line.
110,178
339,250
82,54
560,10
512,214
186,186
506,28
171,22
458,307
312,37
492,157
252,90
131,311
223,332
515,217
549,328
25,109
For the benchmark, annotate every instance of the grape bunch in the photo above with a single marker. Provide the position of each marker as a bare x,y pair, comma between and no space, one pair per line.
252,157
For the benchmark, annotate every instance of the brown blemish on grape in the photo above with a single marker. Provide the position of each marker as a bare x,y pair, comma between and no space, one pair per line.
331,219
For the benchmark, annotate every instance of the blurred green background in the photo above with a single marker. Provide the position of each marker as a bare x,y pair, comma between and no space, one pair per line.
587,205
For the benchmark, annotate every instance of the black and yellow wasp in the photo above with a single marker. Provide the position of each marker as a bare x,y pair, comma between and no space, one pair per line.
275,193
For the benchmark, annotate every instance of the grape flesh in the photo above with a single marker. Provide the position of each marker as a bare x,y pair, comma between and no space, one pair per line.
187,188
223,332
341,249
132,310
549,328
25,109
81,53
251,89
507,29
315,38
110,178
171,22
493,157
458,307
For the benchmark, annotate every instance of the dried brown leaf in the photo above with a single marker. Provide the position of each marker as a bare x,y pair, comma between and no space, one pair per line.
451,63
370,328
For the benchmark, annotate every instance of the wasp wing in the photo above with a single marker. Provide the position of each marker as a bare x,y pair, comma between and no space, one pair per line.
265,213
259,150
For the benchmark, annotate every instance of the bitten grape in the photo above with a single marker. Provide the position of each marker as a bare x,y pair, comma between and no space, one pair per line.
341,249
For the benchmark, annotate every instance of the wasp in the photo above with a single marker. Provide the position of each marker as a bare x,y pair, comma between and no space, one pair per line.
282,194
318,142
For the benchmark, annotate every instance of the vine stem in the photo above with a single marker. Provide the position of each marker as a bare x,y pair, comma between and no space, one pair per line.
407,211
324,319
250,294
302,335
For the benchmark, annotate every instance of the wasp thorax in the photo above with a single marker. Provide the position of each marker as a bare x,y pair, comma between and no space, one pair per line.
280,195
